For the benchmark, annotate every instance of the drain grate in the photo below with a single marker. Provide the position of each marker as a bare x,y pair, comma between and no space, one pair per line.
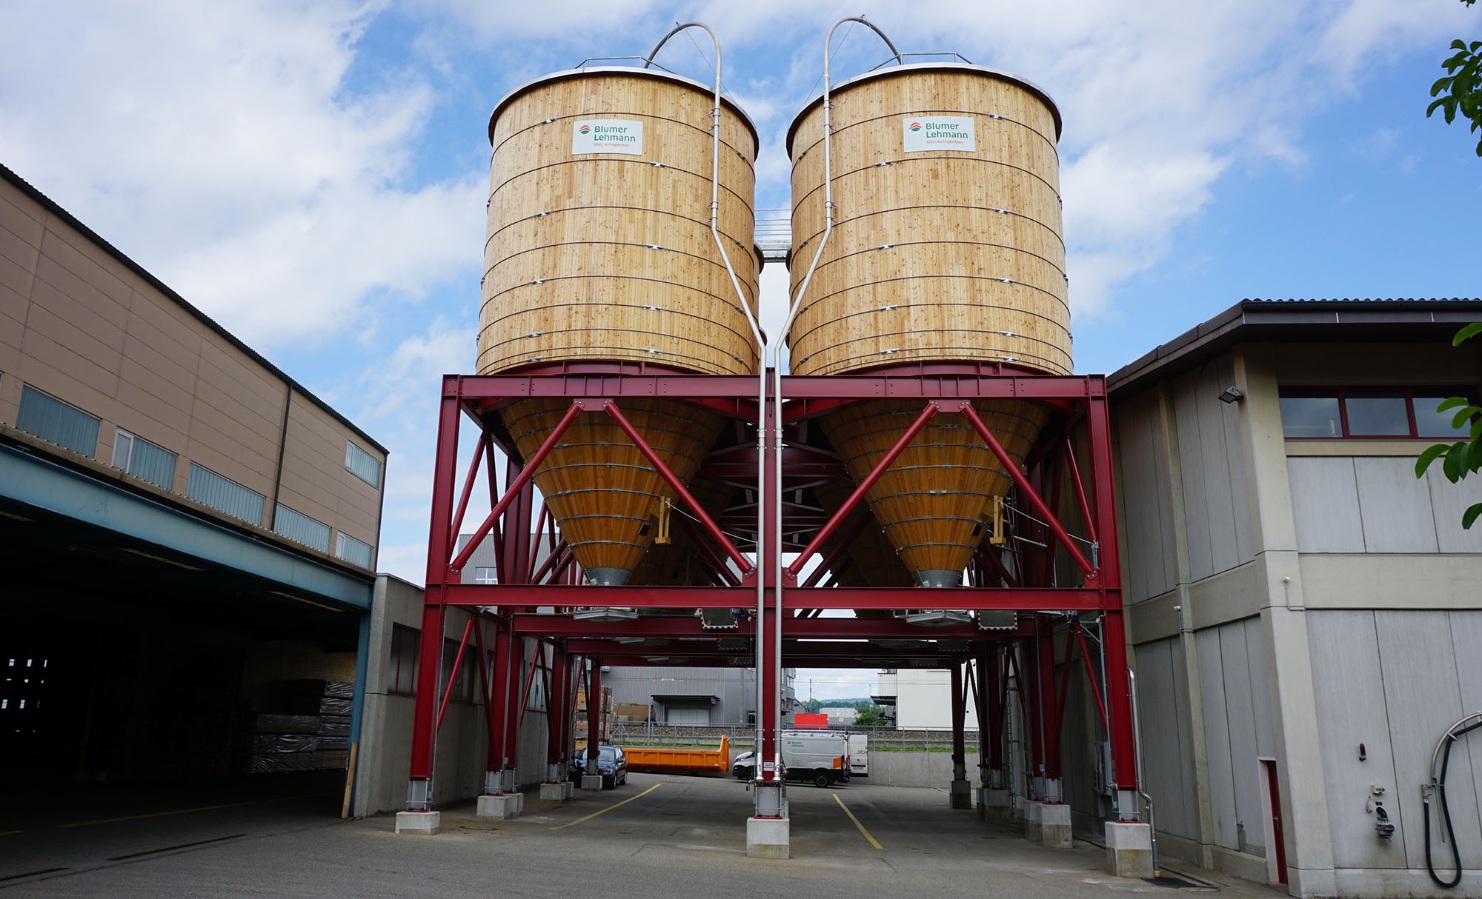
1178,883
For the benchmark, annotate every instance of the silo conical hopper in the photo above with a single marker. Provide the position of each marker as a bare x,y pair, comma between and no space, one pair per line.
946,248
599,250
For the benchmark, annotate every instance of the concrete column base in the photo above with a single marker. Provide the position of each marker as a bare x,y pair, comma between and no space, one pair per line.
993,806
504,805
1048,824
425,823
1129,849
962,794
591,782
557,792
768,838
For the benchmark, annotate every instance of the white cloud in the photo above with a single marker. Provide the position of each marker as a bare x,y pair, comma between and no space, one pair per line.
219,145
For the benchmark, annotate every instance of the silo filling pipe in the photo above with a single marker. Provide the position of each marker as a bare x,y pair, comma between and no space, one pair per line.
761,343
1436,789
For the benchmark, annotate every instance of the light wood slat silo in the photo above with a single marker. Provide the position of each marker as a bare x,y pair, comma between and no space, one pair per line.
599,250
946,248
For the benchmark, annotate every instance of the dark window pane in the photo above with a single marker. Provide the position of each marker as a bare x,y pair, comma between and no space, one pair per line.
1431,423
1310,416
1377,415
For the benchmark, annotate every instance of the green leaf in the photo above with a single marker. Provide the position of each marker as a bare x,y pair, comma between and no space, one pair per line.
1462,417
1431,454
1469,517
1451,402
1474,460
1467,333
1455,465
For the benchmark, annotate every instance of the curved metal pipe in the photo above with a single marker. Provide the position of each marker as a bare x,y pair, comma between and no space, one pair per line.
794,306
761,342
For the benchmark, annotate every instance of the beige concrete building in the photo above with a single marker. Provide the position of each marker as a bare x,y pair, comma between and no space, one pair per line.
189,536
1305,612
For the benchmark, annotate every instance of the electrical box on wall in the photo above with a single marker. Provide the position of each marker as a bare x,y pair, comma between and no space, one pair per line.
1105,776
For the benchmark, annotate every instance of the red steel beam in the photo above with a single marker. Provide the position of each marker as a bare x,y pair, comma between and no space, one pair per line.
473,471
677,486
875,474
513,490
1026,490
1044,599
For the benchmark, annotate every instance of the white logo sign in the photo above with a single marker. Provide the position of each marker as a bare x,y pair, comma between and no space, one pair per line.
938,133
607,136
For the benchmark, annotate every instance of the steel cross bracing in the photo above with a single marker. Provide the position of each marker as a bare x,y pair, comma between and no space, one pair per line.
1064,532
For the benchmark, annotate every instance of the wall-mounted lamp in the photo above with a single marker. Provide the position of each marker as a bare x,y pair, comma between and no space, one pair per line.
1232,395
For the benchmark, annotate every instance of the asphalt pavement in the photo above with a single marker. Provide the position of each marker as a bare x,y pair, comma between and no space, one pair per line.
657,837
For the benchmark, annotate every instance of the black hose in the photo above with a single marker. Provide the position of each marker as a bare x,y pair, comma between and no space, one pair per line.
1450,835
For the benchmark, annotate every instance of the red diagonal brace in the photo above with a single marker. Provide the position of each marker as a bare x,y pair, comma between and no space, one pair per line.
1091,676
833,557
1080,490
515,486
473,470
875,474
674,483
453,675
1025,489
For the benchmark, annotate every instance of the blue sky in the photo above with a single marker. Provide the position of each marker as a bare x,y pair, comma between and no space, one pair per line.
313,174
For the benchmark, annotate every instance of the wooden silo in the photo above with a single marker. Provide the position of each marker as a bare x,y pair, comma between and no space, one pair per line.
946,248
600,250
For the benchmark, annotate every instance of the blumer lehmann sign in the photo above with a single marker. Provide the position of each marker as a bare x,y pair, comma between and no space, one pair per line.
607,136
938,134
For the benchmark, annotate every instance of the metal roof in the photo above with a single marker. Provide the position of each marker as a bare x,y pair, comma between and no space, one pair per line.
1392,319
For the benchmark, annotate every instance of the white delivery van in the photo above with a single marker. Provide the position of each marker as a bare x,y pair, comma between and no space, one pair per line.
859,754
819,756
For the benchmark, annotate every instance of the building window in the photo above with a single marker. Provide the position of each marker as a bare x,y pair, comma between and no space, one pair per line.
467,671
363,465
144,460
485,575
401,677
1367,413
57,422
353,551
297,526
224,495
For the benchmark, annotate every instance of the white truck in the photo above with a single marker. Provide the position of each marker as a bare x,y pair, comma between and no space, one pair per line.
818,756
859,754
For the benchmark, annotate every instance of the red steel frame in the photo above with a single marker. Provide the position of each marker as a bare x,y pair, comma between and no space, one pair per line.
800,640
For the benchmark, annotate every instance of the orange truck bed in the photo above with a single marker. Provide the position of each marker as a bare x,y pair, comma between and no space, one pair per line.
696,761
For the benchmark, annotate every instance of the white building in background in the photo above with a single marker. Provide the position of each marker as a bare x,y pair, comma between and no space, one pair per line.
840,715
919,698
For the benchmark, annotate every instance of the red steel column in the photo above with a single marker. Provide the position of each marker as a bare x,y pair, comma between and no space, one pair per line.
424,714
594,718
499,691
1113,632
959,724
556,715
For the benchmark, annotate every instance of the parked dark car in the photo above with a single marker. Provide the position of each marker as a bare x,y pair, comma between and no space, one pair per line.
744,767
612,764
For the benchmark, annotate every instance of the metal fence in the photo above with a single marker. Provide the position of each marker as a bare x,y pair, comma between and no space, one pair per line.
743,737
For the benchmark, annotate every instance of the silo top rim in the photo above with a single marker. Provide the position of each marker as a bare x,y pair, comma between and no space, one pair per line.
633,71
912,68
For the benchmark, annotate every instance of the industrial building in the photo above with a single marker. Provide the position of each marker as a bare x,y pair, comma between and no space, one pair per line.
189,535
1302,608
1203,601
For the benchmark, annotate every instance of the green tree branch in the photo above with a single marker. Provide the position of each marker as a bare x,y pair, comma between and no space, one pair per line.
1464,456
1460,91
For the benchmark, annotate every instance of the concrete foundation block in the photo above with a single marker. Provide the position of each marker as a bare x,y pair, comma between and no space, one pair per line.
962,794
424,823
591,781
1129,849
994,807
1048,824
557,792
504,805
768,838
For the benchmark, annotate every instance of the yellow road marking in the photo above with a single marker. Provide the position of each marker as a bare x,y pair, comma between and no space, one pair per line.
609,808
865,833
188,811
